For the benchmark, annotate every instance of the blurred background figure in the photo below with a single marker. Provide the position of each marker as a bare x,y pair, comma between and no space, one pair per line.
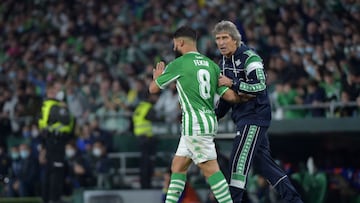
56,125
24,179
311,180
5,166
167,106
316,96
144,115
78,169
101,165
14,173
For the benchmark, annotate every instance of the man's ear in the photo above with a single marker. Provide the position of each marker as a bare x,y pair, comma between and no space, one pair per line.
182,42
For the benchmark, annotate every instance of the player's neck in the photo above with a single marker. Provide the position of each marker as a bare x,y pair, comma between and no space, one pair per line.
189,49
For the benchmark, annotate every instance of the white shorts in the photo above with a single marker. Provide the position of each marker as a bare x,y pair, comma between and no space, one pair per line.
198,148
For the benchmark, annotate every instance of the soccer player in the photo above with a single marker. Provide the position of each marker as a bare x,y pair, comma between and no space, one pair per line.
196,79
243,71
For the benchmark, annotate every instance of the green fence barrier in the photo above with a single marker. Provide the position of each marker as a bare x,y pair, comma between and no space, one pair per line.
21,200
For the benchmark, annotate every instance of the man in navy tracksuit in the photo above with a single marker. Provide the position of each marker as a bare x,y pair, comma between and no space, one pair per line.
243,71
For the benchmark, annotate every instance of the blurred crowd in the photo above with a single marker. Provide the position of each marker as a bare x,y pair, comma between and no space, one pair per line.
101,54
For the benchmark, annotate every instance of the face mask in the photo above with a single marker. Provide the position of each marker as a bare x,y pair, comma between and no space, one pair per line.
310,70
286,57
35,133
96,152
14,155
60,96
12,75
309,49
69,153
49,64
24,154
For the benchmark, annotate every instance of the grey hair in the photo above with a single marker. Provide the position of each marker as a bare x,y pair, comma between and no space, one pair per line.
226,26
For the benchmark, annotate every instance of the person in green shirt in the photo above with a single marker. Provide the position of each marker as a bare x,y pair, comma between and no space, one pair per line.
313,181
196,79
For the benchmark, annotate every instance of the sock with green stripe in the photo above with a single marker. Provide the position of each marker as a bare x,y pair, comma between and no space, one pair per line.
220,187
176,187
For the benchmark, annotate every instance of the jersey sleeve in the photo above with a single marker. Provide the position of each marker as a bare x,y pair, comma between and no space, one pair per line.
220,89
169,75
255,73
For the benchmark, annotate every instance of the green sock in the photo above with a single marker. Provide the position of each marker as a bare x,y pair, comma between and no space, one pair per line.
176,187
219,187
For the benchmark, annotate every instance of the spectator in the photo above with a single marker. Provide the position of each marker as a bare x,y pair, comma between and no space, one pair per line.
33,101
25,177
332,88
78,173
167,106
5,124
289,94
84,141
99,134
112,116
35,141
101,165
5,165
76,101
315,97
312,180
15,171
345,111
143,117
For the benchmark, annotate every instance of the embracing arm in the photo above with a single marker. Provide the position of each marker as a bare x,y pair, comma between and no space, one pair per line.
231,96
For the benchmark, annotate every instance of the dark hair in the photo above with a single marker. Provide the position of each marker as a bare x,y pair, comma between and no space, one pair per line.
313,83
185,31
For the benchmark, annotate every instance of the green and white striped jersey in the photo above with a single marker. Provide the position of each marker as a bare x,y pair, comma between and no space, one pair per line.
196,79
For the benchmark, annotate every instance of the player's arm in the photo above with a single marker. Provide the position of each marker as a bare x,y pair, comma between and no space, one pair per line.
233,97
159,69
154,88
222,108
228,96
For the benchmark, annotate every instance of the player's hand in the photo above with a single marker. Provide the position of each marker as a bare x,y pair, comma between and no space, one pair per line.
225,81
245,97
159,69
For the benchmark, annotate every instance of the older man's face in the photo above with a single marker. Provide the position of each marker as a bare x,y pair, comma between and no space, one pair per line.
226,44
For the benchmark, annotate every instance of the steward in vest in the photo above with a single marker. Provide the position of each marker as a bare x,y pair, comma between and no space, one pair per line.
142,119
142,125
56,125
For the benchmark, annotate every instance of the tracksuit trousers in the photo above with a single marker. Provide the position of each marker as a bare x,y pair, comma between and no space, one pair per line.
251,148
